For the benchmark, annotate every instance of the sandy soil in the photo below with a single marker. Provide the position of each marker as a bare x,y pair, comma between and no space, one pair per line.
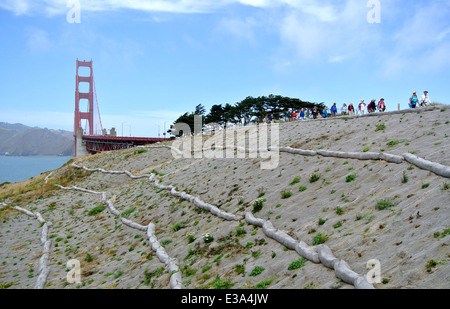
409,239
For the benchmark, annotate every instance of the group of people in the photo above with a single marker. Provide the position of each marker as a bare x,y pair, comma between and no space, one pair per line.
372,107
350,110
424,100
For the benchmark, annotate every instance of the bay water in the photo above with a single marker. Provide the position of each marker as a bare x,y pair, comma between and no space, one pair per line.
16,169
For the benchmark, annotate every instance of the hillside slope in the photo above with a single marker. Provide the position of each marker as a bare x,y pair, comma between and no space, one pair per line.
21,140
409,238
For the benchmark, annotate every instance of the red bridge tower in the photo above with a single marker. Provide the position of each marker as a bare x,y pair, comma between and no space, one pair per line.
88,114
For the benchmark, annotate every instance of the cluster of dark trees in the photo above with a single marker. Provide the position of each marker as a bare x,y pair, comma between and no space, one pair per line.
247,111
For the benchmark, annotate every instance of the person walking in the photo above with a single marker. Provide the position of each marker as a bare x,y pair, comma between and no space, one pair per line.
333,110
344,109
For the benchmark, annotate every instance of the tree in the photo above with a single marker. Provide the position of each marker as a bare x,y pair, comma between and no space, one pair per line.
216,115
200,110
248,110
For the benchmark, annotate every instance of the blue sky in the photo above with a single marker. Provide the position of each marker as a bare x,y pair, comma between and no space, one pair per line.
157,59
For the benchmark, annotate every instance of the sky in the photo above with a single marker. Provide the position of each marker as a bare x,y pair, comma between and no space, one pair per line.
154,60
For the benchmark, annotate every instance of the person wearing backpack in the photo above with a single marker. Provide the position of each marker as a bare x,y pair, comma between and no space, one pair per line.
413,100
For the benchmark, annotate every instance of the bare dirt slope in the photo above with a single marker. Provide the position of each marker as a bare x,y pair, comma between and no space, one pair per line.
409,238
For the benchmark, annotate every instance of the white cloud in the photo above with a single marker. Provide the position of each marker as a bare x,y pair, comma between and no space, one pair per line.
330,33
421,44
18,7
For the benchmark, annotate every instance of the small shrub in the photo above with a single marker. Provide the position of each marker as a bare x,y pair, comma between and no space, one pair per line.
222,284
190,237
443,234
178,226
89,257
297,264
367,216
256,271
392,143
296,180
239,269
322,221
207,238
240,231
128,212
302,188
263,284
150,277
337,225
258,205
320,239
314,177
380,127
96,210
140,150
350,178
385,203
165,242
286,194
339,210
404,178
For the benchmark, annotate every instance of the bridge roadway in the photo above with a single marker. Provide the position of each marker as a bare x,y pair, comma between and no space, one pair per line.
95,144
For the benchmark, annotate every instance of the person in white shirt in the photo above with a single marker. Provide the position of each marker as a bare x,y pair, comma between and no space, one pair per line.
424,99
362,107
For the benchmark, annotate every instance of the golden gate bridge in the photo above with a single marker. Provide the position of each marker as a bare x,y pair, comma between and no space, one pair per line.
89,134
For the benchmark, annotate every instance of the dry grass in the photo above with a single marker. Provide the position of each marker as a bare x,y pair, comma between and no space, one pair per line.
21,193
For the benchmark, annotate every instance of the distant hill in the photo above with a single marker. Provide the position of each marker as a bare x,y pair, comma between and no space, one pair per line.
21,140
